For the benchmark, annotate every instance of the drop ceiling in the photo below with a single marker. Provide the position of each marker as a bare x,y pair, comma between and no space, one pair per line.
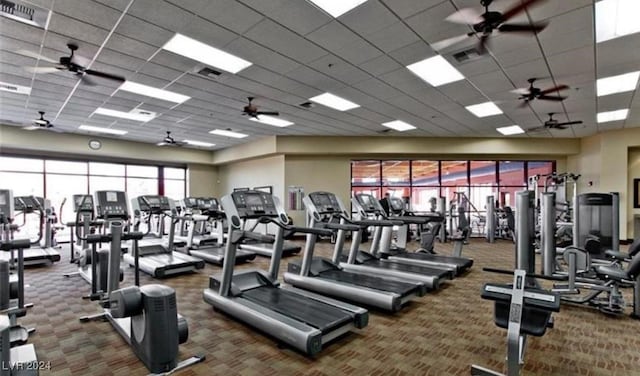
298,51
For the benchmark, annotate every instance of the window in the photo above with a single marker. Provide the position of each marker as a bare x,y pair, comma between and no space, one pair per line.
539,168
21,164
64,167
454,173
512,173
23,183
175,189
106,169
61,186
421,198
104,183
395,173
425,173
482,173
174,173
142,171
365,173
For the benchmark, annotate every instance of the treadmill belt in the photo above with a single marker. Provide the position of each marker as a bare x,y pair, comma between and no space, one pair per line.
459,262
319,315
422,270
364,280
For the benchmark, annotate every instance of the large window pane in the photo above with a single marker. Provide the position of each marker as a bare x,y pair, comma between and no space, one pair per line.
21,164
424,172
23,184
102,183
395,173
108,169
365,173
396,191
539,168
174,189
512,173
483,173
454,173
60,187
174,173
141,186
375,191
142,171
421,198
65,167
508,196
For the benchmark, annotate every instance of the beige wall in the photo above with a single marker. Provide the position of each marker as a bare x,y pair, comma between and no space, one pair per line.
252,173
202,180
318,173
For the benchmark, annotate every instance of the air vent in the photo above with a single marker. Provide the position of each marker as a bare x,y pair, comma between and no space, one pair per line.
17,89
142,112
466,56
306,104
23,12
208,72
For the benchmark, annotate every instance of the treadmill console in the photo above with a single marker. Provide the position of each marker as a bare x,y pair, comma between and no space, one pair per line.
325,202
396,205
154,204
190,202
83,203
112,205
208,204
6,205
369,203
27,204
254,204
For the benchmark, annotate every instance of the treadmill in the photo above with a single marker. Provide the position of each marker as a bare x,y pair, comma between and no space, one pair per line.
157,257
208,208
266,249
303,320
197,213
41,251
326,207
368,205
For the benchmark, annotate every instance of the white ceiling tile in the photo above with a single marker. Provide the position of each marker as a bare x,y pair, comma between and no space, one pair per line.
360,19
281,40
406,8
299,16
392,37
380,65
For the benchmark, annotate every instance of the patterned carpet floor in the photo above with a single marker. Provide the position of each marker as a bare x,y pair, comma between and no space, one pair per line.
442,333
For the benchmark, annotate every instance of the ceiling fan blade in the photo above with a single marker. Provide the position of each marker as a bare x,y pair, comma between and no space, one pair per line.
521,91
482,44
536,129
552,98
36,55
441,45
523,104
161,144
570,123
519,7
108,76
272,113
555,88
522,28
80,60
41,70
31,128
466,16
87,81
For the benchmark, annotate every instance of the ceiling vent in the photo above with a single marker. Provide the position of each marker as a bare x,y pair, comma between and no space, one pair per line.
210,73
24,12
306,105
467,55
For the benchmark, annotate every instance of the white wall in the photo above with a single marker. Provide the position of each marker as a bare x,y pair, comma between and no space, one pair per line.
252,173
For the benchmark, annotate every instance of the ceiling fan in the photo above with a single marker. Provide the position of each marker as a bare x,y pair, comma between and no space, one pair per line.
41,123
251,110
72,63
555,124
170,141
484,24
530,93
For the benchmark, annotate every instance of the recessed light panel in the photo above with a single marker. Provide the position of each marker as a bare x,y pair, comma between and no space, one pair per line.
16,89
270,120
616,18
511,130
150,91
196,50
91,128
124,115
199,143
484,109
226,133
604,117
618,84
336,8
436,71
334,101
399,125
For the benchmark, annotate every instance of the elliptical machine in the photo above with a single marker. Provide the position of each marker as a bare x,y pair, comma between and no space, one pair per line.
147,316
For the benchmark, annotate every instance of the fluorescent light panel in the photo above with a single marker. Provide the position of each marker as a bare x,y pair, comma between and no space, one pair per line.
399,125
484,109
123,115
334,101
91,128
336,8
604,117
16,89
199,143
511,130
226,133
196,50
618,84
436,71
149,91
616,18
270,120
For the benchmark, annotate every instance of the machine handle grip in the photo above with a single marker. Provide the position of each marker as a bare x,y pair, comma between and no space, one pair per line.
310,230
342,226
380,223
15,244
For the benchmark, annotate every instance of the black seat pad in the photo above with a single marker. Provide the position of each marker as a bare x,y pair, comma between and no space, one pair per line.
612,273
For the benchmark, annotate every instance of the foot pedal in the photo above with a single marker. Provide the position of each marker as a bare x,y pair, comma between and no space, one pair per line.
18,335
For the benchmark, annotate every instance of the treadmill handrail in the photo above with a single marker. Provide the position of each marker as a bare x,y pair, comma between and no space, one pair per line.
292,229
